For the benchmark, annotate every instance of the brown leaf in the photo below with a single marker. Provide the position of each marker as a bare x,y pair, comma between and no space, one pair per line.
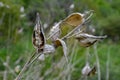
38,37
87,40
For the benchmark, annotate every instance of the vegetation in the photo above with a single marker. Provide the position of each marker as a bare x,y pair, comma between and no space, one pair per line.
17,20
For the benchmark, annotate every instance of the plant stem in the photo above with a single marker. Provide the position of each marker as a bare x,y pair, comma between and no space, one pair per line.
25,67
107,65
97,62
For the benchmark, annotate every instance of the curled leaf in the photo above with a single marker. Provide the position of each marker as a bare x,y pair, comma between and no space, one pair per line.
63,44
38,37
87,40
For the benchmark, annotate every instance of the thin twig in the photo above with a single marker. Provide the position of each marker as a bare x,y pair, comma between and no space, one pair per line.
5,75
34,59
87,55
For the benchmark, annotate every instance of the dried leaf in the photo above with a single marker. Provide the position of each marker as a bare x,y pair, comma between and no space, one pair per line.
87,40
63,44
38,37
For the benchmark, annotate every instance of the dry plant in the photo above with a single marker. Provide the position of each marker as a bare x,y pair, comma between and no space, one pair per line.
73,26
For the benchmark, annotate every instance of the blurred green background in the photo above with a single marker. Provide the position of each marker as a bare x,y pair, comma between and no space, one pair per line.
17,20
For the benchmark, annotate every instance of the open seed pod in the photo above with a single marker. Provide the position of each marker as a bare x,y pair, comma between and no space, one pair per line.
74,23
60,42
55,32
38,37
93,71
71,22
74,19
48,49
69,26
87,71
63,27
87,40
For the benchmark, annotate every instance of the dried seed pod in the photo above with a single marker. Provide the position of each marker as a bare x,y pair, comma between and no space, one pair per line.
92,71
38,37
63,44
74,19
17,68
55,32
86,69
87,40
65,26
41,57
48,49
71,22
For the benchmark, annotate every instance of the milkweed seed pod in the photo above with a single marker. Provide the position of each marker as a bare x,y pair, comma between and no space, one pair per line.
55,32
75,21
86,69
38,37
41,57
87,40
17,68
48,49
92,71
64,46
65,26
71,22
